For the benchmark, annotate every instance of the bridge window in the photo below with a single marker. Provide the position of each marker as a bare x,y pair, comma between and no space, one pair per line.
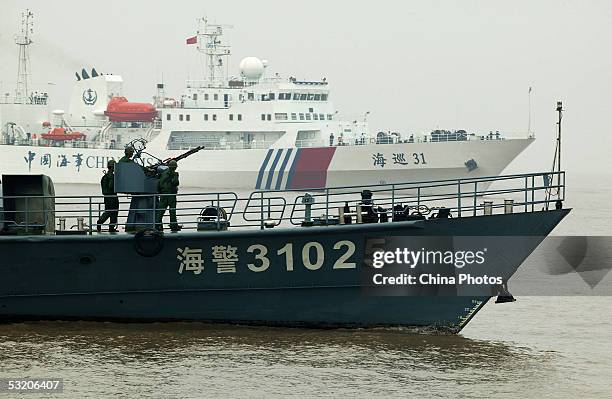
301,117
251,96
272,96
205,117
231,117
239,117
329,117
296,96
323,97
308,117
187,117
303,97
168,117
180,117
280,116
321,117
195,96
269,117
214,117
263,117
315,117
206,97
317,97
293,116
216,97
311,96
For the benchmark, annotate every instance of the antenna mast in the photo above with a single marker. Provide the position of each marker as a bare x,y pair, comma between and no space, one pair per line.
209,44
23,40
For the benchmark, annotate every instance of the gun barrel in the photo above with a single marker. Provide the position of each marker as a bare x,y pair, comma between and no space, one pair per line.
188,153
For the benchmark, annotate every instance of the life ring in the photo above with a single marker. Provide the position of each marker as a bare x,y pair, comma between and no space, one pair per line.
148,242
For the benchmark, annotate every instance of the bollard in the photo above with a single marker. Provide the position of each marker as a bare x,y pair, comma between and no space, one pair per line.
62,224
508,206
80,224
488,207
308,200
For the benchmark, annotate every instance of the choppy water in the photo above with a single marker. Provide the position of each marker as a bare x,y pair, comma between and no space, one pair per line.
537,347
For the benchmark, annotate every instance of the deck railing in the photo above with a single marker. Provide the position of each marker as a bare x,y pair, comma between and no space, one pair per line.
467,197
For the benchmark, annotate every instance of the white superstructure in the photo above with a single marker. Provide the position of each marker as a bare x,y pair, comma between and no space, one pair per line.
260,130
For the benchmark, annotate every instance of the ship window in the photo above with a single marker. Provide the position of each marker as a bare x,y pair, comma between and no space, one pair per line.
315,117
308,117
269,117
216,97
206,97
272,96
251,96
239,117
287,96
301,117
180,117
310,109
168,117
317,97
296,96
303,97
231,117
263,117
323,97
311,96
195,96
280,116
214,117
293,116
188,117
205,117
321,117
329,117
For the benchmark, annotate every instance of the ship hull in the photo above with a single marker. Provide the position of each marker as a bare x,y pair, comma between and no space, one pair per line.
118,277
285,168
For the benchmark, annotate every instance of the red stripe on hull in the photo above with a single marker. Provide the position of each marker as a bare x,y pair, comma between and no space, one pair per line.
311,168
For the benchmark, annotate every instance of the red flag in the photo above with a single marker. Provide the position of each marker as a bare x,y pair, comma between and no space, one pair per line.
192,40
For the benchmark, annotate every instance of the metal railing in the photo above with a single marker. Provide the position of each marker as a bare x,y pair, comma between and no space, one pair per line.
467,197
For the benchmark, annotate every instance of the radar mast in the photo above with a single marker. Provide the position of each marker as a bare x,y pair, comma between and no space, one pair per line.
210,44
23,40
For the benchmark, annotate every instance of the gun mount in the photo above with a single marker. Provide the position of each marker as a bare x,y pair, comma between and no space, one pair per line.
137,179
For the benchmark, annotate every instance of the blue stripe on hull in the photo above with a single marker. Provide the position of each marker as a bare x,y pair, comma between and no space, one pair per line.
281,172
272,168
263,169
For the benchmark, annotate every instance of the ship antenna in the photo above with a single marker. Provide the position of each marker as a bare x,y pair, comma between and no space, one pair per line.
556,166
23,40
215,51
529,118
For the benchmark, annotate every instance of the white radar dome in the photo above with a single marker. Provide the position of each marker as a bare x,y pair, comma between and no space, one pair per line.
251,68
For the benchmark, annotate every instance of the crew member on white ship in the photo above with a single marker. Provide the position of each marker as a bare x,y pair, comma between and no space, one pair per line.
331,139
111,201
129,153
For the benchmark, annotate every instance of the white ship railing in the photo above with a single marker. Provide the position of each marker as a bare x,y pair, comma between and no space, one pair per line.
469,197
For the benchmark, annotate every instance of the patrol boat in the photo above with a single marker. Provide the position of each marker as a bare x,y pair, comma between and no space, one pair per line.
260,131
277,258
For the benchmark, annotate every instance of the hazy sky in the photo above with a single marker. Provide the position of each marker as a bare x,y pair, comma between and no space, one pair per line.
414,65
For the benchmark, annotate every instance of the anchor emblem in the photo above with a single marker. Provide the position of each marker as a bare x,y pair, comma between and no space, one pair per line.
90,96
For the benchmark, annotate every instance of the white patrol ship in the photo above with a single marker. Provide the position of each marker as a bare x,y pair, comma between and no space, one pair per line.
260,131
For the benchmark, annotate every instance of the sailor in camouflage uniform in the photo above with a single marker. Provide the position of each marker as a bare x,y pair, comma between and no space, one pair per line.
111,201
168,187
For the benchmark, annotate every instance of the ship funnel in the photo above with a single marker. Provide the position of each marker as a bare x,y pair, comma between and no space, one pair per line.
94,73
84,74
77,76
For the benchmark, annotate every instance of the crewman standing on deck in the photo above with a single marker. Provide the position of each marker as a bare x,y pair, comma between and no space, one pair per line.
168,188
111,201
129,153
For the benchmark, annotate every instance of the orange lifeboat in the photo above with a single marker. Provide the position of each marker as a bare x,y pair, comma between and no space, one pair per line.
61,134
119,109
